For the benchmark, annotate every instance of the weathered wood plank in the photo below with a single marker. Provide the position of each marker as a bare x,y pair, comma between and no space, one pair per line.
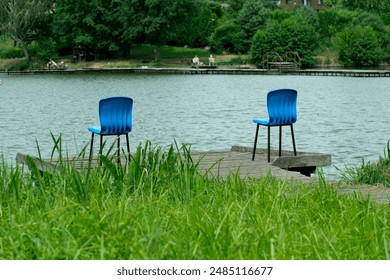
42,165
288,160
223,163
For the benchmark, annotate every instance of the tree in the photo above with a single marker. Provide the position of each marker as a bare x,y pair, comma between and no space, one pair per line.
250,18
377,24
331,21
377,6
227,37
93,24
130,16
199,28
165,19
18,19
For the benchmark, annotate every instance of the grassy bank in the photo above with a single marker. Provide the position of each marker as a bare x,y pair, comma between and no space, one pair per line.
371,172
11,58
160,207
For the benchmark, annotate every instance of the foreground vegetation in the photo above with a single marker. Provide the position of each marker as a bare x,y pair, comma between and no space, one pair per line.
160,207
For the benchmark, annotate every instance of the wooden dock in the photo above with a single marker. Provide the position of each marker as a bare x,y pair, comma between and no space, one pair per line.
237,160
213,71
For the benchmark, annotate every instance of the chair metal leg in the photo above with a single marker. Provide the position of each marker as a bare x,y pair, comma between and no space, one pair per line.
269,143
254,147
119,151
128,145
91,148
280,140
293,140
101,149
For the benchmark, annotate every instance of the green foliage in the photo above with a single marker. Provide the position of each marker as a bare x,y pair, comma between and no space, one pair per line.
259,46
215,8
251,18
198,29
46,50
227,37
8,50
377,24
386,18
332,3
377,6
18,20
371,172
91,24
308,15
333,20
386,48
165,20
358,46
293,34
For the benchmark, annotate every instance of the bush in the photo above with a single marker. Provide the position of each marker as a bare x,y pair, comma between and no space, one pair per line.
11,53
386,45
333,20
227,37
23,65
358,46
259,46
197,32
46,50
250,18
294,34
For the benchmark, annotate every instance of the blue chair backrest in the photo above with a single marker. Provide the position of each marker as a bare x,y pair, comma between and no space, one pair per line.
116,114
282,106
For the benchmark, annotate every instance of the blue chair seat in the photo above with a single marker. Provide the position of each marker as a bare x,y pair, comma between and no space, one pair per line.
115,115
281,106
95,129
261,121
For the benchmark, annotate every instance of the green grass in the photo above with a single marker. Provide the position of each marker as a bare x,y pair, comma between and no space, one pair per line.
160,207
8,50
371,172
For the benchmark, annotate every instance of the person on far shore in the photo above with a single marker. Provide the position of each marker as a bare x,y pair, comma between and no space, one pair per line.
211,60
51,64
195,60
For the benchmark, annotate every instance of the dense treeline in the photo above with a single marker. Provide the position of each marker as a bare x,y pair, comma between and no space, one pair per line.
356,32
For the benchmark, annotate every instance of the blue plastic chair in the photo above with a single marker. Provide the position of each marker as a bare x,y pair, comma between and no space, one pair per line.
116,118
282,111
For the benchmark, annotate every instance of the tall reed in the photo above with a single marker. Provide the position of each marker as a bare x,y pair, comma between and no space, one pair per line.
371,172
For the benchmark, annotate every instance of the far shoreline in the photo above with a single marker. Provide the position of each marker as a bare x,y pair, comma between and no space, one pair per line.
224,70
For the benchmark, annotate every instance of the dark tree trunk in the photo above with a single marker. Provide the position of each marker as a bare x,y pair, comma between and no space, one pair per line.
157,53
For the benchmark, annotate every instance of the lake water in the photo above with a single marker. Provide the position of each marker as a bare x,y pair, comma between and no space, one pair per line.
344,116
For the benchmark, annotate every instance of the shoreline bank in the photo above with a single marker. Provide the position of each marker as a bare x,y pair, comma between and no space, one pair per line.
213,71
